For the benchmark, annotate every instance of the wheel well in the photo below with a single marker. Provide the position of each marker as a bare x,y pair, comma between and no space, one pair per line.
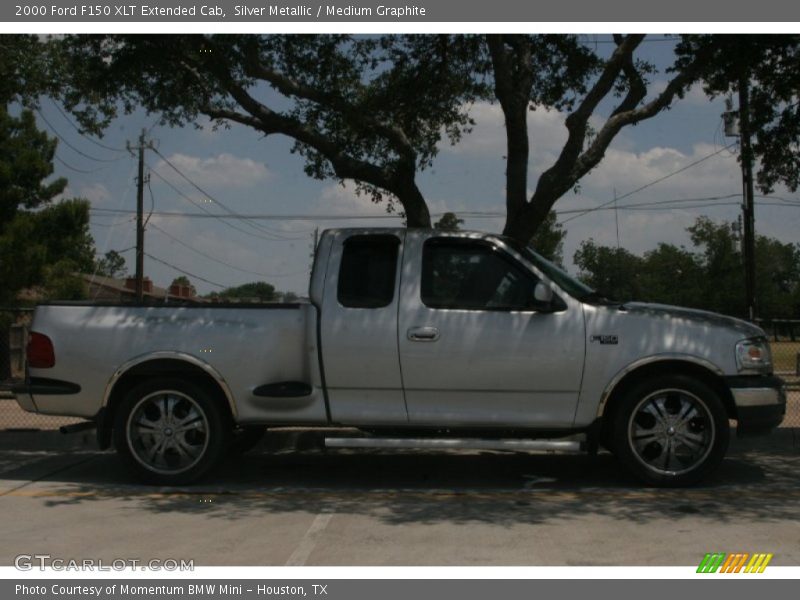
668,367
156,368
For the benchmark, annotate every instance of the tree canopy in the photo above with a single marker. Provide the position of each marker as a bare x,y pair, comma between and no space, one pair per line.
42,243
707,277
377,109
260,290
769,63
112,265
368,109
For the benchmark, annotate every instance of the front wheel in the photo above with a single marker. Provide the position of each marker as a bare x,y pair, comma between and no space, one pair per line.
670,431
169,431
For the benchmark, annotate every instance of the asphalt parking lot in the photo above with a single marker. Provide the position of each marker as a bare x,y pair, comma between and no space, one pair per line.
292,503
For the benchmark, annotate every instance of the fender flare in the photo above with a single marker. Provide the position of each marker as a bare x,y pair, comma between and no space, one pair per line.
169,355
651,360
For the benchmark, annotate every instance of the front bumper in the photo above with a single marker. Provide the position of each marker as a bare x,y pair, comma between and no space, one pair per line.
760,402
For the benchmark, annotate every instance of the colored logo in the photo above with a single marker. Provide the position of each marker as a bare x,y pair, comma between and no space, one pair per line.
719,562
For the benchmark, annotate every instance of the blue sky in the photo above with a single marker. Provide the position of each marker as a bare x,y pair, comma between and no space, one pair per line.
251,174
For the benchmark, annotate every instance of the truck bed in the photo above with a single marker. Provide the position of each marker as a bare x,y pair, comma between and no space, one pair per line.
246,345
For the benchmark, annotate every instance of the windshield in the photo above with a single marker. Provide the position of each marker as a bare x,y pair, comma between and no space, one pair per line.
557,275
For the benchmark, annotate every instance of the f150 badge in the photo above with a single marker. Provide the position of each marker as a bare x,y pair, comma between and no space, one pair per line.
605,339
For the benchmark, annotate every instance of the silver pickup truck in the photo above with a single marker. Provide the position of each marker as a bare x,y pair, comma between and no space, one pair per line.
418,339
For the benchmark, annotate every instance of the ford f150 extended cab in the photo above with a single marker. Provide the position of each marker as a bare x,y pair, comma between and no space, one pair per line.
417,338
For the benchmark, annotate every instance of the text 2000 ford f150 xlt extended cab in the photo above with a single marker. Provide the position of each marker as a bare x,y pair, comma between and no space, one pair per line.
420,339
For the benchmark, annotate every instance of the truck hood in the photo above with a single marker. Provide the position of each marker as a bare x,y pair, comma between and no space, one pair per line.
691,314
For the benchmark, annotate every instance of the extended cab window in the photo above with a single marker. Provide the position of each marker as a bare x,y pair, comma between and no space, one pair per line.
464,274
368,271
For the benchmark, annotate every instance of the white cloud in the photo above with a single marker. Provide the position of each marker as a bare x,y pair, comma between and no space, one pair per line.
546,132
342,200
626,171
223,170
248,258
96,193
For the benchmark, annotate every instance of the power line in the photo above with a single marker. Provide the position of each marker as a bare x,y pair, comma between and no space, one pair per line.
217,260
691,206
660,205
78,129
682,200
255,216
113,223
652,183
209,196
76,169
69,145
152,203
212,215
171,266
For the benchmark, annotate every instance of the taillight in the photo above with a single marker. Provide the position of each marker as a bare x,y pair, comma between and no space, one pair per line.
40,351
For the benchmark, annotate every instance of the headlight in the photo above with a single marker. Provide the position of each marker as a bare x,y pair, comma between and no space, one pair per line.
753,355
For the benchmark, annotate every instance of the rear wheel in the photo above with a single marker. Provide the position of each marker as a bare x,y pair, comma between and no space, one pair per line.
170,431
670,431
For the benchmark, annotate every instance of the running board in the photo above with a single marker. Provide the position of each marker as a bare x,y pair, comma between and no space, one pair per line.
455,444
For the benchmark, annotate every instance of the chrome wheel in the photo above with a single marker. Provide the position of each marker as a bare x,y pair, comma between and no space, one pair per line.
671,432
167,432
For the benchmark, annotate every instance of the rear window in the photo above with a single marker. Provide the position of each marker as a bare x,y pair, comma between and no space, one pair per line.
368,271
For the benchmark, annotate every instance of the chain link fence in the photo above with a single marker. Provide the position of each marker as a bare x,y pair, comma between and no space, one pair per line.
14,325
784,335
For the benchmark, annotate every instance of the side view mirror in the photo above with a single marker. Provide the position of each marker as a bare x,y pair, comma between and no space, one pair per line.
545,301
543,293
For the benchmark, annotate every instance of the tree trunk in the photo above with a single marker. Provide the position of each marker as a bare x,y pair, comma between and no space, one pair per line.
527,220
414,206
517,148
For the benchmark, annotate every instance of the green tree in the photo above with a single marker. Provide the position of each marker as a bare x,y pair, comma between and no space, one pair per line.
26,162
549,239
376,109
41,244
449,222
711,277
258,289
557,71
369,109
39,241
614,272
777,271
112,265
769,64
183,281
45,249
672,275
718,248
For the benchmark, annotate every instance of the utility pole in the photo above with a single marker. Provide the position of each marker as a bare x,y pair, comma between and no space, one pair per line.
747,185
139,290
737,124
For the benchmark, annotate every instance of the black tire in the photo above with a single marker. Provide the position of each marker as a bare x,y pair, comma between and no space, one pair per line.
245,438
170,431
670,430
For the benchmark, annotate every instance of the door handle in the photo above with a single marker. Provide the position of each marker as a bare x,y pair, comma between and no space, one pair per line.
423,334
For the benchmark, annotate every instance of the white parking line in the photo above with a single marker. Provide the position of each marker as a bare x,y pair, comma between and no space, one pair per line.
309,541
